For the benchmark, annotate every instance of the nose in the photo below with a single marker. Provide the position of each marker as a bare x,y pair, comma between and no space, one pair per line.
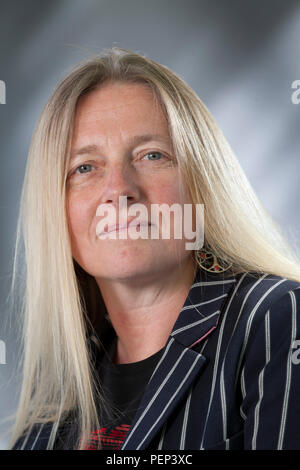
121,181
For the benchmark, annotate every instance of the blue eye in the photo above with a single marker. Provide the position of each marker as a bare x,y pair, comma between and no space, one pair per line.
154,153
85,167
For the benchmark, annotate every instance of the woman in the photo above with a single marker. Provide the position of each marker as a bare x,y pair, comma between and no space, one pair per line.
140,343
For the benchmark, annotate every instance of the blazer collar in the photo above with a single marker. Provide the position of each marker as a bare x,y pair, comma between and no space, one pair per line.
179,364
200,313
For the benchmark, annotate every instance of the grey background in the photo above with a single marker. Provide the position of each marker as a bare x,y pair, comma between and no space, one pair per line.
241,57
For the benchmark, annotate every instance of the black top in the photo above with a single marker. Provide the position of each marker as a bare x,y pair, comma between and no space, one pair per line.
123,386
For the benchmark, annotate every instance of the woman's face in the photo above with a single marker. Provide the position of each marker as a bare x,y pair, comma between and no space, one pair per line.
121,147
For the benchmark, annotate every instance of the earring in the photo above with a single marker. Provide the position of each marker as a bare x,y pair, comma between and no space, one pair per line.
209,262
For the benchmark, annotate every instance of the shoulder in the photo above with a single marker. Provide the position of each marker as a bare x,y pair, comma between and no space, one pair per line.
256,293
35,439
260,305
264,311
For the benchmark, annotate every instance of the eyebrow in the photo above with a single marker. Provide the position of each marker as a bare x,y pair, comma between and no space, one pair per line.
136,140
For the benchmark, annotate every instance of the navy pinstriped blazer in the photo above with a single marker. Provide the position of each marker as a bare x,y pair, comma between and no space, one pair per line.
228,377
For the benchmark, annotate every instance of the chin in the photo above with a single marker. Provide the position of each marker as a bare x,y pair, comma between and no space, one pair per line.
134,272
124,261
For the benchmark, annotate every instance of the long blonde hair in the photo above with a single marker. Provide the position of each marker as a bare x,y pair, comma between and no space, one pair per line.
61,300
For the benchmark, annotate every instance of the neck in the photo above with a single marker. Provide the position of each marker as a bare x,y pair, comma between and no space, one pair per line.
143,314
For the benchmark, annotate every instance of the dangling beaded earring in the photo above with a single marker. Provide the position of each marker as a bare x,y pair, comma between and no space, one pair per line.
209,262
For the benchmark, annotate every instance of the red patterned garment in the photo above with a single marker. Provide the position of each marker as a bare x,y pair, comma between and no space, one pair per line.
111,439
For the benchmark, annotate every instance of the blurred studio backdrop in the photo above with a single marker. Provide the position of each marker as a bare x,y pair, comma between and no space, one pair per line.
241,58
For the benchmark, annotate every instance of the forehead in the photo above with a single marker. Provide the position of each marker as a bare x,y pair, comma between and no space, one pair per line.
116,106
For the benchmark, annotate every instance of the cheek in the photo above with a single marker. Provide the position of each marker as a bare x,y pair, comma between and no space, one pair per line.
172,195
171,192
78,211
166,191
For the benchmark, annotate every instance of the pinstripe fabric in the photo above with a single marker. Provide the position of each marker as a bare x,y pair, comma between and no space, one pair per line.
226,379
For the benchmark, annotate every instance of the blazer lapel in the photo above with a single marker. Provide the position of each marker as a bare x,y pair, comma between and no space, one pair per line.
179,364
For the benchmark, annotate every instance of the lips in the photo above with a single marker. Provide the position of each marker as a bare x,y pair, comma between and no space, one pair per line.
121,227
129,224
